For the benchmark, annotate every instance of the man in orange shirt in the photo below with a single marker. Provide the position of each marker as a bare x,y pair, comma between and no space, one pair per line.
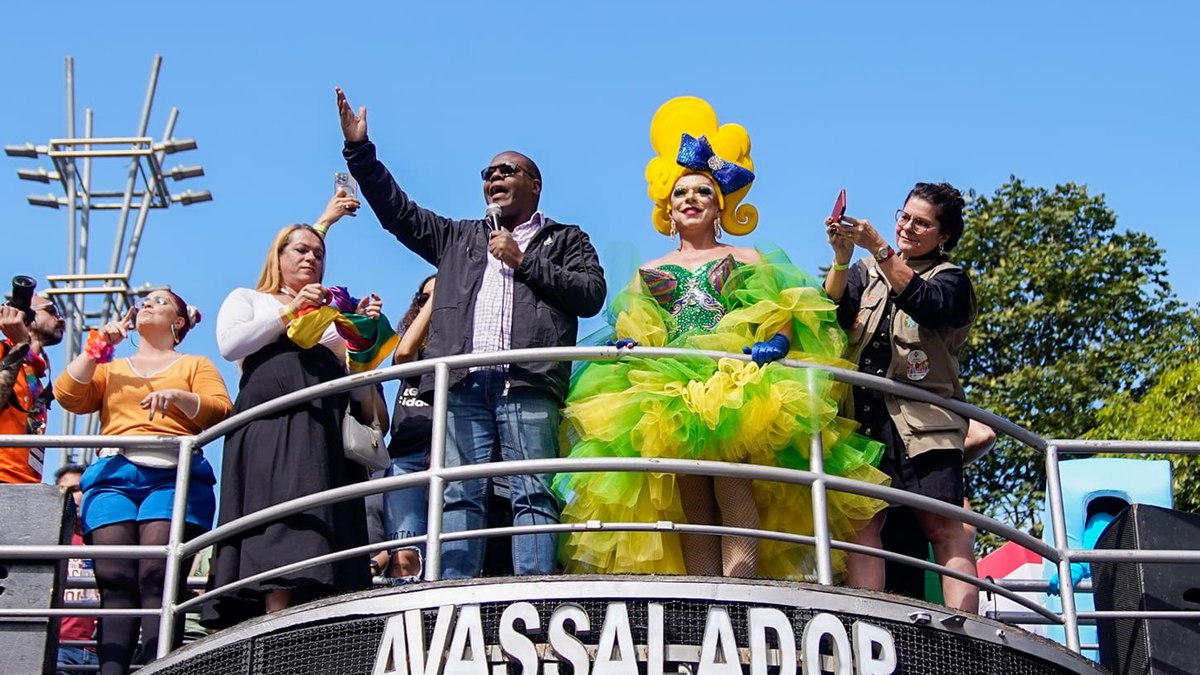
25,391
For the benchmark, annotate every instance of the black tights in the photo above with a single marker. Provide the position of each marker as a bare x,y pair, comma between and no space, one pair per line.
131,584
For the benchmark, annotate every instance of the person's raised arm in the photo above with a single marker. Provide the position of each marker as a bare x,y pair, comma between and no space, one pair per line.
843,250
574,284
12,325
81,388
354,125
414,336
863,233
339,205
421,230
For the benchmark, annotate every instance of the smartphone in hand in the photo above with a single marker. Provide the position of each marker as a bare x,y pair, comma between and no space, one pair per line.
839,206
344,182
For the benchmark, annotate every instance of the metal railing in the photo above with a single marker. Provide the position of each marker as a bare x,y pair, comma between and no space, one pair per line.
438,475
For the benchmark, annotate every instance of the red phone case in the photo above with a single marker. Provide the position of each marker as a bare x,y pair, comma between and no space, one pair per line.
839,207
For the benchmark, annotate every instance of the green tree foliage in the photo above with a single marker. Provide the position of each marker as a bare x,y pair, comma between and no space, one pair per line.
1170,411
1072,313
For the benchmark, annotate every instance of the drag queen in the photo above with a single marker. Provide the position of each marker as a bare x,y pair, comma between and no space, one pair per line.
706,294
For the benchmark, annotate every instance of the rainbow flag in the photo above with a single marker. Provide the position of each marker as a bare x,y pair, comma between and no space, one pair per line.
368,341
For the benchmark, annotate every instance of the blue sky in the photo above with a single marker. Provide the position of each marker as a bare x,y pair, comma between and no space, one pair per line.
871,97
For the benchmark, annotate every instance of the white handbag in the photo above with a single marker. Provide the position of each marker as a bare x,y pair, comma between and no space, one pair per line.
364,443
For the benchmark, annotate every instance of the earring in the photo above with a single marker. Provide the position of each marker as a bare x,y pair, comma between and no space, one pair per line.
174,337
717,227
942,249
673,230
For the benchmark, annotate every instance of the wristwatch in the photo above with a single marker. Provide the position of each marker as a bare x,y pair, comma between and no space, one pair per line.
884,253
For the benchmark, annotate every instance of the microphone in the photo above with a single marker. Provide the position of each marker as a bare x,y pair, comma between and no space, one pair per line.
493,216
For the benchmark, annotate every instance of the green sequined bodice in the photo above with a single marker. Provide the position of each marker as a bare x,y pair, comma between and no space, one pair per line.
692,297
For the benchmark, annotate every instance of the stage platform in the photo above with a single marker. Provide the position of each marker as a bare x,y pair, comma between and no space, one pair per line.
621,625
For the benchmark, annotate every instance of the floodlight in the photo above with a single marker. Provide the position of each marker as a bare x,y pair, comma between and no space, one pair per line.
189,197
27,150
50,201
39,175
180,172
178,145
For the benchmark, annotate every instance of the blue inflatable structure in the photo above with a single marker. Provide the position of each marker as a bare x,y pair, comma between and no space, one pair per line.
1090,488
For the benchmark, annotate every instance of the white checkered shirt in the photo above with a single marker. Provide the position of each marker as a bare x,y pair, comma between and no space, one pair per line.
494,304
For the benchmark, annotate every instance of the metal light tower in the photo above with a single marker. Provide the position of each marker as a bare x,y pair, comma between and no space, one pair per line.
90,299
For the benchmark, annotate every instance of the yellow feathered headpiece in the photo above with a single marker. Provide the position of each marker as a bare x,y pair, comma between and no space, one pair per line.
685,134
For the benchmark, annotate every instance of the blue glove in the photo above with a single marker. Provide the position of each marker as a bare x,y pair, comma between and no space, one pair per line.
1096,524
622,343
1079,571
774,349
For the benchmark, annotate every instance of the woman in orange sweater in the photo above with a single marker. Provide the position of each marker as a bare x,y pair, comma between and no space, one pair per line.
127,494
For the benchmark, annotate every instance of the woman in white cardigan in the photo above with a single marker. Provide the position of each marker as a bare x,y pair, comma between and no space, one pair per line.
293,453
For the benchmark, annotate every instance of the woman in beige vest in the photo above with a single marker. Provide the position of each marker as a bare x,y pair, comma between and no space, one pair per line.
908,312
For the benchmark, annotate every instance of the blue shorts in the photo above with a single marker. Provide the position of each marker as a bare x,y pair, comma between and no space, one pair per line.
115,490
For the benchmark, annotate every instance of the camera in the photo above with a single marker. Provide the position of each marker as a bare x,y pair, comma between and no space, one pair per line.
22,295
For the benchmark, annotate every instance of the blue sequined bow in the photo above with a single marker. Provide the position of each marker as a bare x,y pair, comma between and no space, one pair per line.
696,154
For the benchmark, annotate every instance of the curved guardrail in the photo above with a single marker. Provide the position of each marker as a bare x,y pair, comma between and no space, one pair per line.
438,475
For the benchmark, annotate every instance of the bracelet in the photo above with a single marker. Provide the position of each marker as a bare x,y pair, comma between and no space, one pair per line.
837,266
97,349
287,315
321,229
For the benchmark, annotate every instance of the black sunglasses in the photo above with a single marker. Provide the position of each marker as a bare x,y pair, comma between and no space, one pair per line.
422,298
50,308
506,169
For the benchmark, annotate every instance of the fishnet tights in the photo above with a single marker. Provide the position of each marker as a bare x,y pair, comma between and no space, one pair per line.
725,501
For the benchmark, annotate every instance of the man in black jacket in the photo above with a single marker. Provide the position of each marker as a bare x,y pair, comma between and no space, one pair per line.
522,284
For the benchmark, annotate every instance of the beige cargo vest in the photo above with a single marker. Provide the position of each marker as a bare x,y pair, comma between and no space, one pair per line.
922,357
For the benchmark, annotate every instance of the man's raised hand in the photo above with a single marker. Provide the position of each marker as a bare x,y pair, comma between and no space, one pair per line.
12,324
354,127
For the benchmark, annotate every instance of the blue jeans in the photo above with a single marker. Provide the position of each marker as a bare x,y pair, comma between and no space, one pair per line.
525,423
76,656
405,512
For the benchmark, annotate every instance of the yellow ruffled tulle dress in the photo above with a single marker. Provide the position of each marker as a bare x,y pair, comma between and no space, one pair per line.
726,410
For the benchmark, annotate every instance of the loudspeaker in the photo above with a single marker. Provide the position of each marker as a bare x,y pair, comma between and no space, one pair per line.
1148,646
1133,481
37,515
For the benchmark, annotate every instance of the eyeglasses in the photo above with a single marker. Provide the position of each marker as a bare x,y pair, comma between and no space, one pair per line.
918,224
422,298
700,190
50,307
156,300
506,169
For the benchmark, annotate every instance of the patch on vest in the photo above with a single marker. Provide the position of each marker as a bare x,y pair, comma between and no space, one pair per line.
918,365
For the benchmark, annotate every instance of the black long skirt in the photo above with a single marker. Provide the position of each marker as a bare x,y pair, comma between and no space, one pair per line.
284,456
